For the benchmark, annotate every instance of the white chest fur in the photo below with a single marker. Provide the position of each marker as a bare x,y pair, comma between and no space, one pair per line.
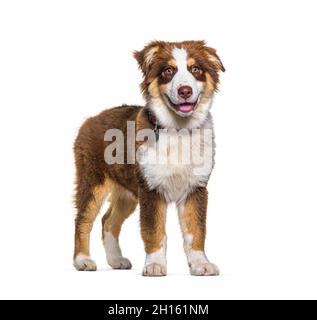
179,161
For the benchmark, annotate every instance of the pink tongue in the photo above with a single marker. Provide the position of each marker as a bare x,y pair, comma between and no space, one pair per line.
185,107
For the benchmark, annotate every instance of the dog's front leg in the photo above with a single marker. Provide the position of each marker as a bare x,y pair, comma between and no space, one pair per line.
153,217
192,215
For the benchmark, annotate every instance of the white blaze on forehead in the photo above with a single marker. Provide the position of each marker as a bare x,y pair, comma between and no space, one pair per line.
180,55
182,78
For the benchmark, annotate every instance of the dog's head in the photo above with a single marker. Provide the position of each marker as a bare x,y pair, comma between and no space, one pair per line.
180,77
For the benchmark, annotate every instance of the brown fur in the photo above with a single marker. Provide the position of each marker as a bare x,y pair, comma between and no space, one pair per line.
122,204
205,56
194,217
153,212
95,178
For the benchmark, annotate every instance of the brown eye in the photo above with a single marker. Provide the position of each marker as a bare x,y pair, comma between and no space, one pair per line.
196,69
169,71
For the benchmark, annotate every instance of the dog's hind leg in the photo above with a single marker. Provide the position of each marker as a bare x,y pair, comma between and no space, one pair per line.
83,225
122,204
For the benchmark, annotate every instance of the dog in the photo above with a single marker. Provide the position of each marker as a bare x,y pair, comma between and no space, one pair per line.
179,82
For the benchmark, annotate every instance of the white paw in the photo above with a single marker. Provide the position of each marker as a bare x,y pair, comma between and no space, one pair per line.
120,263
84,263
203,269
154,270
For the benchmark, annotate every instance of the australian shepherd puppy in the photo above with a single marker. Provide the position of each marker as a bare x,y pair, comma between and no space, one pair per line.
151,156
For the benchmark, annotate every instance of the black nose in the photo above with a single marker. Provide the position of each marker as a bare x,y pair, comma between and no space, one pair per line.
185,92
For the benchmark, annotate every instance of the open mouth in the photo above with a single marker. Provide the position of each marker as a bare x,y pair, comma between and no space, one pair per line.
184,107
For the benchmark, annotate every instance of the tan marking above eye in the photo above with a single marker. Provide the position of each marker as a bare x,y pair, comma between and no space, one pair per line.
172,63
191,62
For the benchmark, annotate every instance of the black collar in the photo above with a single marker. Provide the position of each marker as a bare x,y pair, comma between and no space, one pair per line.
155,123
153,120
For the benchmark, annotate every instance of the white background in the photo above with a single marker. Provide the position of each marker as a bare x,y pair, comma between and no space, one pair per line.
63,61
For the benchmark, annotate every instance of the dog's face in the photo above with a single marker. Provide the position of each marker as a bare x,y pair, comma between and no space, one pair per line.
181,76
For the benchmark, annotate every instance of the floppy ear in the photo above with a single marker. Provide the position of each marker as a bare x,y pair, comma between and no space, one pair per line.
214,59
145,56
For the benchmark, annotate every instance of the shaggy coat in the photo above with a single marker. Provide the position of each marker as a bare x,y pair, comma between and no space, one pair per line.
180,79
